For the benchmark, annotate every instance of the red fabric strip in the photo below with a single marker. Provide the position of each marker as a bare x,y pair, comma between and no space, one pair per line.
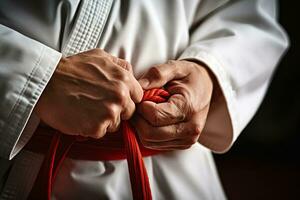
57,146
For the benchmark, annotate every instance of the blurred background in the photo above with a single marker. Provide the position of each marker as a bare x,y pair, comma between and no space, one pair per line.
264,163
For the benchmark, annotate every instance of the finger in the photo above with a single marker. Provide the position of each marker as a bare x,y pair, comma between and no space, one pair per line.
128,110
113,117
173,111
135,89
159,75
181,143
98,131
114,125
168,145
149,133
127,87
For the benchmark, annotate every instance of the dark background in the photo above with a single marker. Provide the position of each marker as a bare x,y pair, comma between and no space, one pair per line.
264,163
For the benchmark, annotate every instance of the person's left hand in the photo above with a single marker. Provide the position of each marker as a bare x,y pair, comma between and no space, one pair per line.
177,123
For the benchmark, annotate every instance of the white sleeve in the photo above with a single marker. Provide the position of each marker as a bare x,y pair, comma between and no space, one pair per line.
25,68
241,43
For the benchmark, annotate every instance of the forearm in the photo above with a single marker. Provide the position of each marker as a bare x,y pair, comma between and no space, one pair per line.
241,43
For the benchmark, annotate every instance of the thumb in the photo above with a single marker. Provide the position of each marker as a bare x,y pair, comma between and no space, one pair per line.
158,75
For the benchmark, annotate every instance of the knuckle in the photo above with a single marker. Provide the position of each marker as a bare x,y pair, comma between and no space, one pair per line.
121,63
115,59
121,93
196,130
122,97
126,115
128,112
97,131
112,111
128,66
110,114
124,64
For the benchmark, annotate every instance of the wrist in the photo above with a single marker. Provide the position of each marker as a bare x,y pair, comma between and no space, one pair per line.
216,89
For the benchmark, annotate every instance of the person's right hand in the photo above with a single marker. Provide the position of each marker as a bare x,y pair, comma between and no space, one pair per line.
89,94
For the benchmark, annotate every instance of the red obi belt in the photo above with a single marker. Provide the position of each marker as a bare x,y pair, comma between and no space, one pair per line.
122,145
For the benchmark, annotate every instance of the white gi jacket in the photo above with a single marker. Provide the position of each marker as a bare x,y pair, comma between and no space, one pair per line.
239,40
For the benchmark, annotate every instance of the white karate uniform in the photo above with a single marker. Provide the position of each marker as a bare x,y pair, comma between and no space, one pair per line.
239,40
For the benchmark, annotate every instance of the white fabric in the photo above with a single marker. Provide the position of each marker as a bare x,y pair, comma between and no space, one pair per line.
239,40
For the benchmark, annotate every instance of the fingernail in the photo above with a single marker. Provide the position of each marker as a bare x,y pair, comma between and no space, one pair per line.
144,82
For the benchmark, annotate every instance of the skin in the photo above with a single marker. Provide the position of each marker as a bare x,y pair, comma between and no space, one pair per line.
89,94
177,123
95,79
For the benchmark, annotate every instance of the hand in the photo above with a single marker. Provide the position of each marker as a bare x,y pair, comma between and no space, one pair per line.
89,94
177,123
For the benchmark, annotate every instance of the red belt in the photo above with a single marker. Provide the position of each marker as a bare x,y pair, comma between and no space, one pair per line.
115,146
